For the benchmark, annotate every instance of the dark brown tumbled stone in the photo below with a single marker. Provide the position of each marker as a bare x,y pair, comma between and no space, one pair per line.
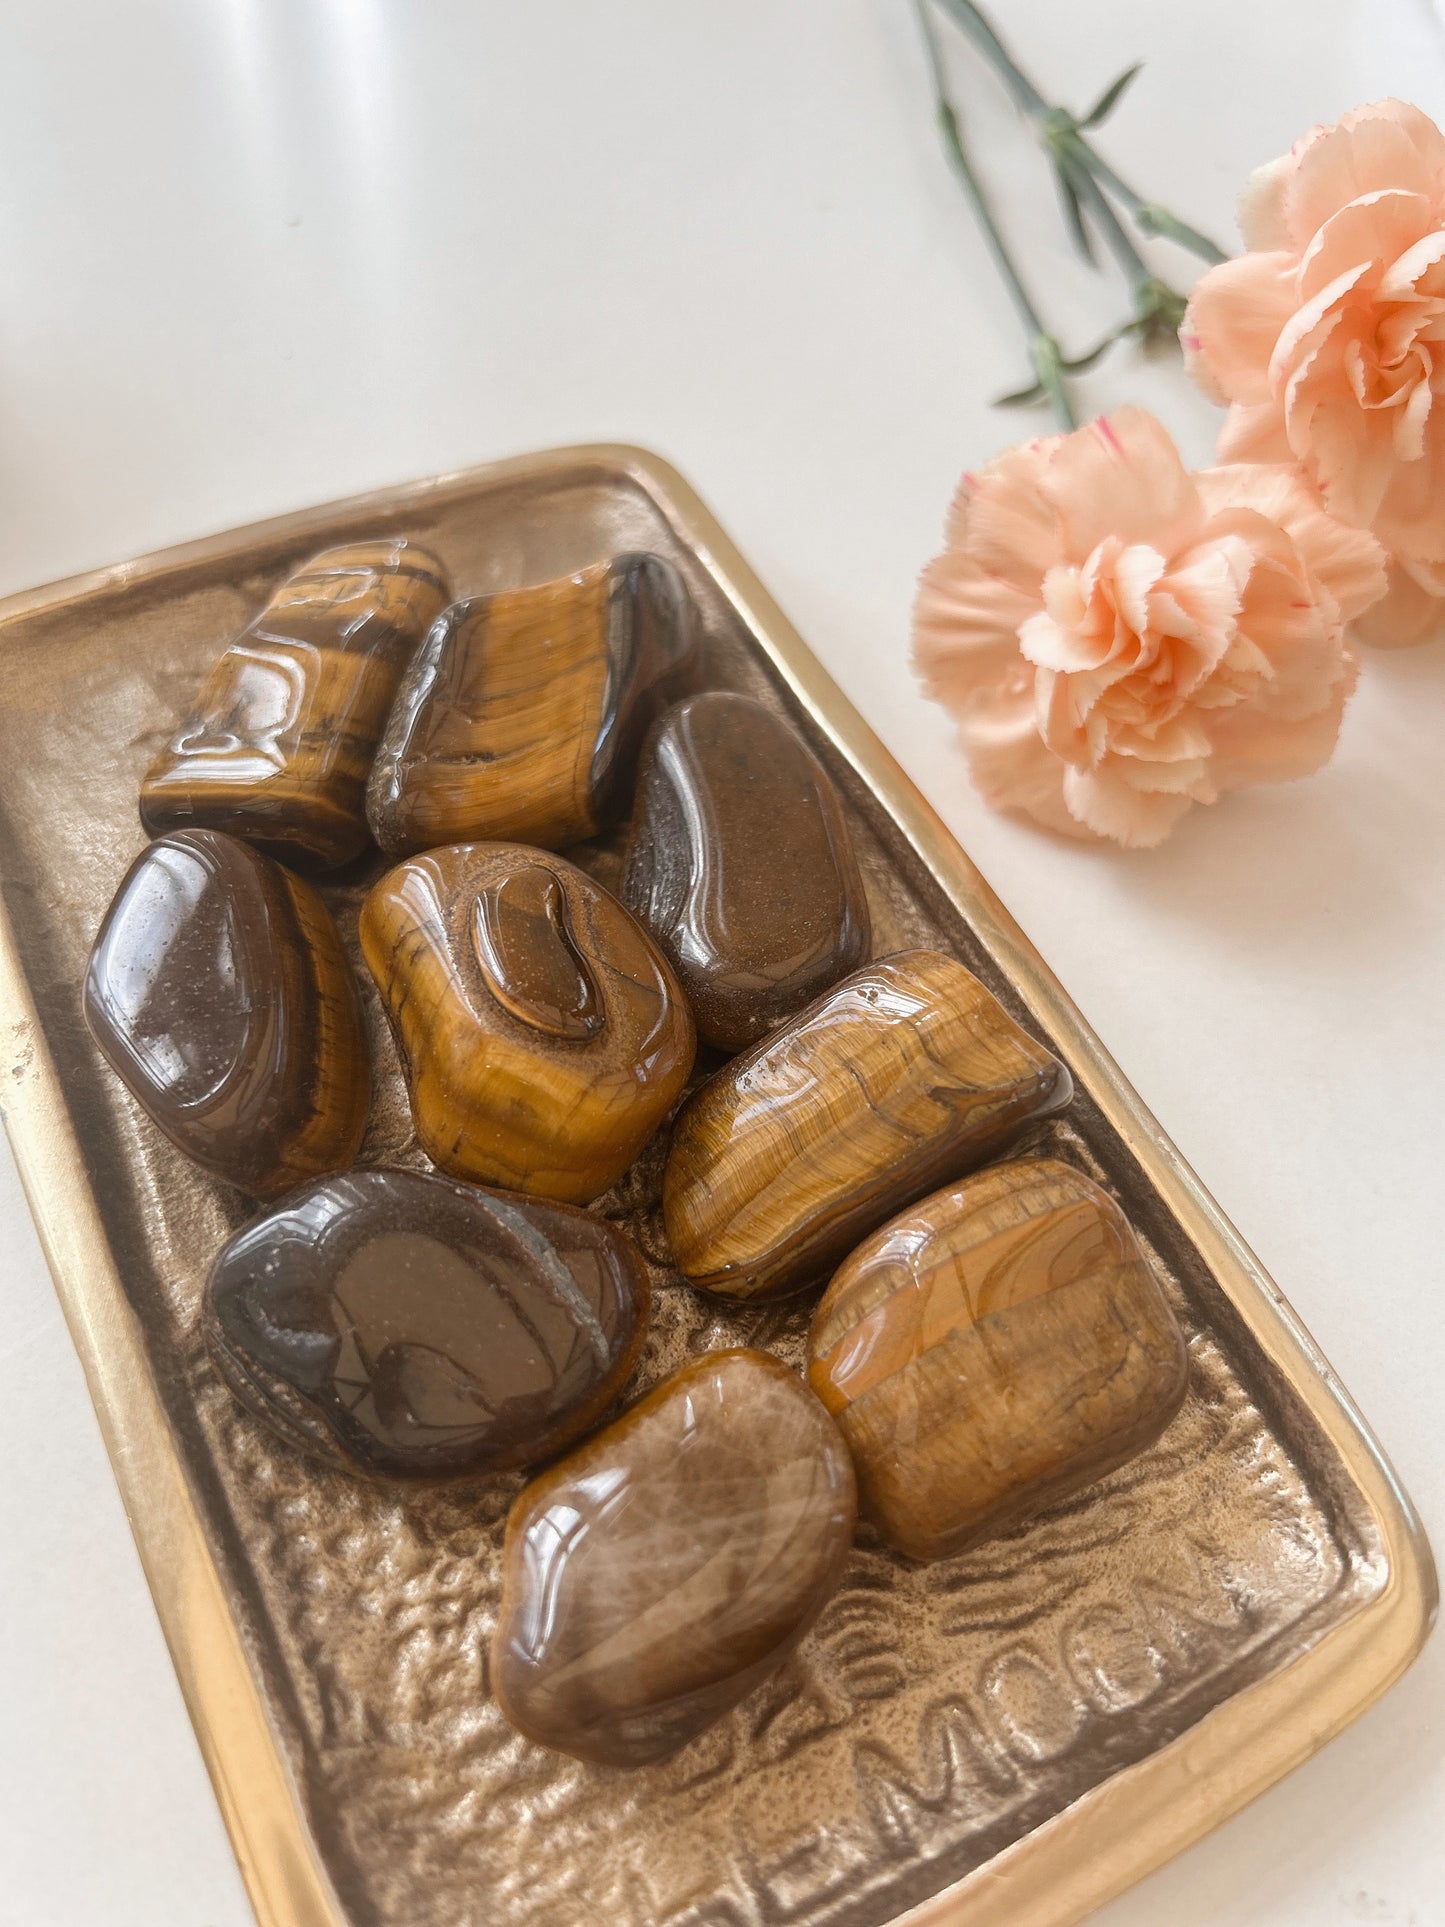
740,864
661,1571
402,1325
521,715
220,995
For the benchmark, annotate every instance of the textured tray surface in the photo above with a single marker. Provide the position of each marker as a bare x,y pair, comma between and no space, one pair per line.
937,1714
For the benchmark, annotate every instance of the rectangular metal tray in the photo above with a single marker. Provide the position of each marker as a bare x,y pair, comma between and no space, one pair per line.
1004,1739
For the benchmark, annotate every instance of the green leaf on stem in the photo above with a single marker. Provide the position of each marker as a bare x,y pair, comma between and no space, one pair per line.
1080,364
1110,98
1074,216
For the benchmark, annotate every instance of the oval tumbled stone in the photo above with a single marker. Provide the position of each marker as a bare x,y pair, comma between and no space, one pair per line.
220,995
991,1351
521,715
905,1074
543,1035
661,1571
399,1324
740,864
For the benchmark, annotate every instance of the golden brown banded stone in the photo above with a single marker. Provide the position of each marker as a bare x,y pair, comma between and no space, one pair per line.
740,864
280,743
220,995
905,1074
543,1035
659,1573
399,1324
521,716
991,1351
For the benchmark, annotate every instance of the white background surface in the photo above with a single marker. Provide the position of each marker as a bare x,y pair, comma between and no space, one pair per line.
260,253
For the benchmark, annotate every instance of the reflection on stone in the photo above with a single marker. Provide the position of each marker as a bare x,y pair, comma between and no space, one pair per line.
662,1570
740,865
543,1036
280,744
401,1324
219,993
992,1350
905,1074
521,716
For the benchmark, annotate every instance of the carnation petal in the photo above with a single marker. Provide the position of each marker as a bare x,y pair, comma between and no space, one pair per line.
1261,206
1409,516
1387,144
1138,819
1411,611
1120,476
1050,645
1400,280
1347,561
1234,319
1251,747
1348,451
1003,520
1410,422
965,628
1254,434
1010,765
1311,326
1378,227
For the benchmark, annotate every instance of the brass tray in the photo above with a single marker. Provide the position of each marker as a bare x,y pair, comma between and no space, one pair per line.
1005,1739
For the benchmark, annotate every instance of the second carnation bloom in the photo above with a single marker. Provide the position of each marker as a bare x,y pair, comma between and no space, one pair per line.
1118,640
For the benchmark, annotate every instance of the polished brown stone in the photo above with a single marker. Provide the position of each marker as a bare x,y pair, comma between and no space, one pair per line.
543,1035
991,1351
905,1074
399,1324
521,716
740,864
220,995
660,1572
280,743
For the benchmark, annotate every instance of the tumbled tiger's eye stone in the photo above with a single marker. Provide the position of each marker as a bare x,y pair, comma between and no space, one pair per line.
991,1351
543,1036
400,1324
740,865
661,1571
905,1074
281,740
220,995
521,715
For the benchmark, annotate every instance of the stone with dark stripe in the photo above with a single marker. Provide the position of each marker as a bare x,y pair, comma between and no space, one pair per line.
543,1034
991,1351
521,716
903,1075
280,743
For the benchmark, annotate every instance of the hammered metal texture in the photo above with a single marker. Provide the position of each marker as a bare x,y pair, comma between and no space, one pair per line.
936,1714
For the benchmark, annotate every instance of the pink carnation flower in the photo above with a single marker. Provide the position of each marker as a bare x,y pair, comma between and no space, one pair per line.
1118,639
1327,340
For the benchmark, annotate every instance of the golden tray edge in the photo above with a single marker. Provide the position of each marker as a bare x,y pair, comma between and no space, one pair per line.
1106,1840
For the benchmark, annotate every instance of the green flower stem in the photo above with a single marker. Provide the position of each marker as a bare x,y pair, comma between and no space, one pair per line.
1060,134
1045,354
1158,307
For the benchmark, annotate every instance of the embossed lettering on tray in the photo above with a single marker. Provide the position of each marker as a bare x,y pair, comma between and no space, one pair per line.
935,1715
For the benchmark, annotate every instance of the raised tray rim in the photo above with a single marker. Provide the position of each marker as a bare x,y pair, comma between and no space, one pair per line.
1112,1836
